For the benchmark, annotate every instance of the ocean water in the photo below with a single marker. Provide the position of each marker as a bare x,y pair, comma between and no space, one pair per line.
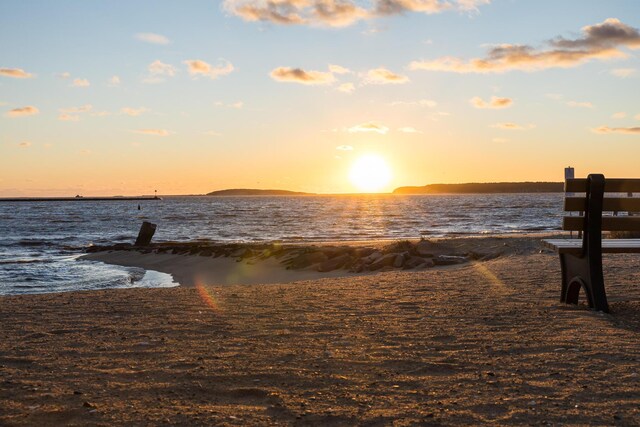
40,242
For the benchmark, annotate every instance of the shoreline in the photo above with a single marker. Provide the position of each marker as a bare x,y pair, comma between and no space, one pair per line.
199,262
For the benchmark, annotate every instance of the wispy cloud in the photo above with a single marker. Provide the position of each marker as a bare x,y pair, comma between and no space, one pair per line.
347,88
197,67
580,104
114,81
428,103
73,110
619,115
24,144
298,75
80,83
338,13
622,130
68,117
494,103
512,126
212,133
16,73
384,76
598,42
133,112
337,69
369,127
344,148
237,105
158,72
154,132
29,110
623,72
152,38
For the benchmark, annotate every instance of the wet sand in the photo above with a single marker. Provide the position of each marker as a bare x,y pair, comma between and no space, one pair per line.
483,342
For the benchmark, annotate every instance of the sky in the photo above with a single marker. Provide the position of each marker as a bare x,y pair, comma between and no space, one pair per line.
124,98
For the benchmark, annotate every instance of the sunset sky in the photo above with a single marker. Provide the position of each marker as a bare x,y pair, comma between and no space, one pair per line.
126,97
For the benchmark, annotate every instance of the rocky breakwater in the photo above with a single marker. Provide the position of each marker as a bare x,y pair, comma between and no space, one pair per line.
400,255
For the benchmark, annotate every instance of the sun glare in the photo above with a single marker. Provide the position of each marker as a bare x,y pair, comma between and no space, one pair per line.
370,173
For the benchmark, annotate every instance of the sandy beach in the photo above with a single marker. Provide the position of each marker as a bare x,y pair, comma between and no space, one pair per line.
482,342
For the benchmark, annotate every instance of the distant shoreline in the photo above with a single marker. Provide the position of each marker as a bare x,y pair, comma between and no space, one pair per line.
77,199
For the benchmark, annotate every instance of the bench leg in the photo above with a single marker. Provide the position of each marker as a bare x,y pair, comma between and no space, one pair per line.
585,273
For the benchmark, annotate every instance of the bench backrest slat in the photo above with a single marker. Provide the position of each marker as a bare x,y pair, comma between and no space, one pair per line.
613,185
610,204
609,223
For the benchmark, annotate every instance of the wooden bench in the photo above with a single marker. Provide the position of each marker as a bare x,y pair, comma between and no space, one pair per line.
581,259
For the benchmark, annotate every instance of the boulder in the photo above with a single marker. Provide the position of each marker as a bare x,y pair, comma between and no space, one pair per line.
383,261
426,248
449,260
400,259
374,256
415,261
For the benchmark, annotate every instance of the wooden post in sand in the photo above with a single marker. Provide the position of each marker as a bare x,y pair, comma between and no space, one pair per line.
147,230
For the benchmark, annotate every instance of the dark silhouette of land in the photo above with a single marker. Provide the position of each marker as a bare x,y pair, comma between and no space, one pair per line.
254,192
484,187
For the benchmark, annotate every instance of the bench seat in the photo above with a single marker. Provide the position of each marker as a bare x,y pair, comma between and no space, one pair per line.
611,246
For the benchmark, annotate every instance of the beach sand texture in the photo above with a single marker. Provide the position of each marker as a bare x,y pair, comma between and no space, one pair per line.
478,343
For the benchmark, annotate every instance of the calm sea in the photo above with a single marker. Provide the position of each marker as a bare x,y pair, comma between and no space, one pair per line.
41,241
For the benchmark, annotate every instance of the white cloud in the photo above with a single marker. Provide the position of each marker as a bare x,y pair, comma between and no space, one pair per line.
338,13
600,41
582,104
494,103
152,38
133,112
29,110
622,130
298,75
512,126
347,88
384,76
623,72
80,83
114,81
74,110
154,132
158,72
68,117
369,127
344,148
428,103
337,69
197,67
619,115
16,73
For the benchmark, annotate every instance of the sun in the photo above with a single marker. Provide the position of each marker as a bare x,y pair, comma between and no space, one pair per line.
370,173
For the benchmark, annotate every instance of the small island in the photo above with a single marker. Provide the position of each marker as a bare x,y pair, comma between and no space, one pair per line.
484,187
255,192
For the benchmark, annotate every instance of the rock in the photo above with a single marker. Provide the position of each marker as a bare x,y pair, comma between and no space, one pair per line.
306,259
425,248
449,260
334,263
374,256
383,261
88,405
363,252
400,259
241,253
206,252
415,261
428,263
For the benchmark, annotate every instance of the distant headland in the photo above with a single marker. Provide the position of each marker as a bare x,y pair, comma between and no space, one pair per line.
254,192
484,187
